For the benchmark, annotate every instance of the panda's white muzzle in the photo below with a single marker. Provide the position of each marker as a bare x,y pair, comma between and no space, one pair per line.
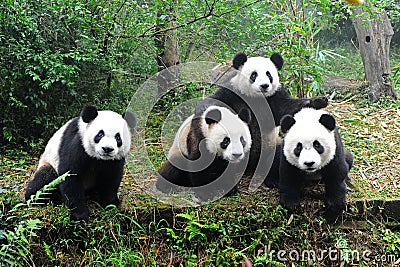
309,160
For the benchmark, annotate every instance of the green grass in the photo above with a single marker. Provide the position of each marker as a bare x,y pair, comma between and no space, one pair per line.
221,233
350,65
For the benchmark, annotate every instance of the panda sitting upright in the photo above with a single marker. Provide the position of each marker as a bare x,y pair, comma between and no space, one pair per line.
210,148
256,87
313,150
93,148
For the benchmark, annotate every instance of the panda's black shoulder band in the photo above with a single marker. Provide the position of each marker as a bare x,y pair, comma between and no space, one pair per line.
89,113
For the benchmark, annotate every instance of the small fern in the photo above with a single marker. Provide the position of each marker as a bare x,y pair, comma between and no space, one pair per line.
45,190
16,250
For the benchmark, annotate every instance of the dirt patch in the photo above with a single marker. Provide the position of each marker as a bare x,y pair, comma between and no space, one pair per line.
372,135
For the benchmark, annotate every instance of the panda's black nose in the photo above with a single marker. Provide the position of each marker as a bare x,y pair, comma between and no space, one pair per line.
107,149
264,86
236,155
309,164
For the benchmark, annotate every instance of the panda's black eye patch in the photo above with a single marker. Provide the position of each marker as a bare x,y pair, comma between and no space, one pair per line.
118,139
298,149
225,143
269,77
253,76
242,141
98,136
318,147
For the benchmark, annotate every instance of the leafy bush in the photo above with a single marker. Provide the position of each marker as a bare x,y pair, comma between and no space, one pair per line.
56,58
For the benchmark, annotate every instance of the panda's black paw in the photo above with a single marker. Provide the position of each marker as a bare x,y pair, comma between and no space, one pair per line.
292,205
116,203
80,216
271,182
332,216
333,212
318,102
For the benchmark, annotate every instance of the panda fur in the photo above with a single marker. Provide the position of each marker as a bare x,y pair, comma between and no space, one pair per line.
255,85
313,150
205,148
93,148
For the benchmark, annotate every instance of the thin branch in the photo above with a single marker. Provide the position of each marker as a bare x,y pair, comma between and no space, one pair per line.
207,15
148,33
119,9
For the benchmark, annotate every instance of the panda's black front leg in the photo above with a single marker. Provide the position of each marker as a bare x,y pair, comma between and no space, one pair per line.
290,187
108,183
109,196
335,193
272,179
335,200
73,196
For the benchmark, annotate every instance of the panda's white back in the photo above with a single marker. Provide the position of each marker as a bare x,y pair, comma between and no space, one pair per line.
50,155
180,141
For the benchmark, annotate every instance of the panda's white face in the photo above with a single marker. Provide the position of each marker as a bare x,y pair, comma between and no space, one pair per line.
308,144
258,76
107,137
229,137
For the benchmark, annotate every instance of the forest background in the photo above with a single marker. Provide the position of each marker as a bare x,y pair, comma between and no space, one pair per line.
58,56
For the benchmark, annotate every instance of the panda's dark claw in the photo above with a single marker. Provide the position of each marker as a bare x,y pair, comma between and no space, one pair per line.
271,182
80,216
334,208
333,213
291,205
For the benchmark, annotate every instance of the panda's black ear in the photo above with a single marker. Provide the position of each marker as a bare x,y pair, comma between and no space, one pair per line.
328,121
277,59
130,118
286,123
213,116
238,60
245,115
89,113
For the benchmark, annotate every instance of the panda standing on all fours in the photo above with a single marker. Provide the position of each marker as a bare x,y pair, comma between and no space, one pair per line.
93,148
312,150
255,87
206,148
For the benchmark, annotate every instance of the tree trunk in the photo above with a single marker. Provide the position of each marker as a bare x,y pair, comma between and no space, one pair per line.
374,36
168,56
166,43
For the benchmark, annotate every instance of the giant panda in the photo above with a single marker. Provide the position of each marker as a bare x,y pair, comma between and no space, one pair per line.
207,148
256,86
93,148
312,150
